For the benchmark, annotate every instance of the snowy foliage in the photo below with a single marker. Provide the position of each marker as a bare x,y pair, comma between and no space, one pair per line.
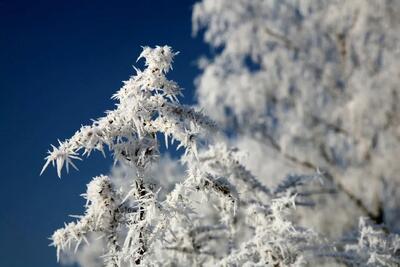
305,85
374,247
217,214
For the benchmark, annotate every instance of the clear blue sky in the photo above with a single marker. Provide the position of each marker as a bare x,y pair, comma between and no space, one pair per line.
60,62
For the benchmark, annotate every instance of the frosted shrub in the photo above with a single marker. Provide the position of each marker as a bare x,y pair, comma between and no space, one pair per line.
219,214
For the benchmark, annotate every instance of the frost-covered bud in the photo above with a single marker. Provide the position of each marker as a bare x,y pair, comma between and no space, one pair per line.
98,188
158,58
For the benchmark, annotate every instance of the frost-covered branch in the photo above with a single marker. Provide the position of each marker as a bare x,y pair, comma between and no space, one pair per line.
148,103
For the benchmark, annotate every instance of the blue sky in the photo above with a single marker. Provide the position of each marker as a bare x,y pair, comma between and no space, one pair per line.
60,62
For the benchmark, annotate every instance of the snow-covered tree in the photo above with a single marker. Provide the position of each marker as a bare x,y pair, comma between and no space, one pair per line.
305,85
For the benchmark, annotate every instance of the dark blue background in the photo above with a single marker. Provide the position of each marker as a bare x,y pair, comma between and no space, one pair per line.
60,62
